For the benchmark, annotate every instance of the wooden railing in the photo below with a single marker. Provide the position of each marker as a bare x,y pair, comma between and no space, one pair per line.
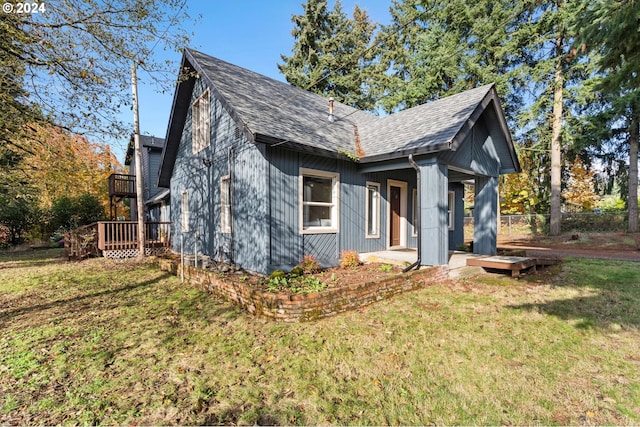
114,235
122,185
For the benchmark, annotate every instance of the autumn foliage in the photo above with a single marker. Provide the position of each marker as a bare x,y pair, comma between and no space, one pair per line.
50,168
579,190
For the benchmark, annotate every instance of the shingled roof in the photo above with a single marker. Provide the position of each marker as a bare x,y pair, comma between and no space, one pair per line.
269,111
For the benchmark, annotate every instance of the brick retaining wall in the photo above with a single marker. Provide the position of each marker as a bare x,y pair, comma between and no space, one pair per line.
304,307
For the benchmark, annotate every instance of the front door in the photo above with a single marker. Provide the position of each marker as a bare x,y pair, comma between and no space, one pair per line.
394,218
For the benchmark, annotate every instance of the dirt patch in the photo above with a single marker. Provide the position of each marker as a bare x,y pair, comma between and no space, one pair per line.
621,246
334,277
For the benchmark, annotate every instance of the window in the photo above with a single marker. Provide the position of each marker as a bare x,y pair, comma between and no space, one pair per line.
373,210
184,211
414,213
200,116
225,204
319,197
451,210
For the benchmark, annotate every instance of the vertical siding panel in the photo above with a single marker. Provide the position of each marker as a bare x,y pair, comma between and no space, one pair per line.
250,209
155,156
203,186
285,239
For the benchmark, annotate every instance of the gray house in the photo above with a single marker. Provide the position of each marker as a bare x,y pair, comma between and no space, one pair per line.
156,199
262,173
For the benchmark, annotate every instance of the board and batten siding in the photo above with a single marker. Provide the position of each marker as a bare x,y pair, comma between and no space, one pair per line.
288,245
154,156
481,151
202,184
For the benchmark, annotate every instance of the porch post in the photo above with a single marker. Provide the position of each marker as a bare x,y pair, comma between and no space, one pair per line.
485,215
434,232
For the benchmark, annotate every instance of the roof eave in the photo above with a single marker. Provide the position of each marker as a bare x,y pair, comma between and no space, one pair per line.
296,146
461,135
177,119
431,149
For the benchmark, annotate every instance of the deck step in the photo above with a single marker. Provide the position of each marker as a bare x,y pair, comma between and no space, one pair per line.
515,264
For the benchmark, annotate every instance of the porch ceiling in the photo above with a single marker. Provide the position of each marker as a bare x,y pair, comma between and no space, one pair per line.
459,176
454,174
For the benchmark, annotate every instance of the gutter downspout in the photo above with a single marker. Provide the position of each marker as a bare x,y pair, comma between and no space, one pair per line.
418,226
230,169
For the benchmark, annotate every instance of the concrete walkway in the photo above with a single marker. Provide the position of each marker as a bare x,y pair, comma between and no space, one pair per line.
405,257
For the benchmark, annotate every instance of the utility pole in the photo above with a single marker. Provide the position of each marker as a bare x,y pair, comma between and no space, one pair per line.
138,154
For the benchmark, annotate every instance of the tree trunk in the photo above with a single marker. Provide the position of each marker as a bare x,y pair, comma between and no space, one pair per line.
556,143
632,202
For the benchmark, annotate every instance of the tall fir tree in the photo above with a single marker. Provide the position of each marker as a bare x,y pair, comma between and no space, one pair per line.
611,28
434,49
333,55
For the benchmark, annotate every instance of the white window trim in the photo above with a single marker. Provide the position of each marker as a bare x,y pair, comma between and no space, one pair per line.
335,205
451,210
377,210
184,211
200,123
226,218
414,213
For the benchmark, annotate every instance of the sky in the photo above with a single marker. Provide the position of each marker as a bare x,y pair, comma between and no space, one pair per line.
248,33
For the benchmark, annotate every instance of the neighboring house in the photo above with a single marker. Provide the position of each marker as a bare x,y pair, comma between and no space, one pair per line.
156,199
262,173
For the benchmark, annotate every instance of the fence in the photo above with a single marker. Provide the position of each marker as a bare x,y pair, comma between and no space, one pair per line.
570,222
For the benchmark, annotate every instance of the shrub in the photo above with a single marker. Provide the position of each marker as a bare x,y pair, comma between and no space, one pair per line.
386,268
310,265
296,271
349,259
277,274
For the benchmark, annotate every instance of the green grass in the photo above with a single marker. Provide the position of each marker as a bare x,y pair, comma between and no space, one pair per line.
105,342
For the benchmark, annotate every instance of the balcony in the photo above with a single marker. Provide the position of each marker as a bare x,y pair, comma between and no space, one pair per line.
121,185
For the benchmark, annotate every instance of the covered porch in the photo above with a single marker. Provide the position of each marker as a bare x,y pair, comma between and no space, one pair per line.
472,144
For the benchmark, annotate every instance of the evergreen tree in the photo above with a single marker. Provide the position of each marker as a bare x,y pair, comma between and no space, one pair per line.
434,49
333,55
556,71
611,28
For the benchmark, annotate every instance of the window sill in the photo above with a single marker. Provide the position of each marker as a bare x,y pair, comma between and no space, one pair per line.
319,230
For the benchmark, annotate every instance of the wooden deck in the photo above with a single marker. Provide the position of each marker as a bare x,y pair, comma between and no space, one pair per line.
515,264
117,239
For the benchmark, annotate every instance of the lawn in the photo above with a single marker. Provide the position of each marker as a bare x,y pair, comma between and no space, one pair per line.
106,342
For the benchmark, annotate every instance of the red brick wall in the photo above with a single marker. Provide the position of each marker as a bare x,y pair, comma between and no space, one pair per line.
298,308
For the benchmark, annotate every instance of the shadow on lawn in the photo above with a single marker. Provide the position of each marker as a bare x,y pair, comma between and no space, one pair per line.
613,304
7,315
31,259
600,311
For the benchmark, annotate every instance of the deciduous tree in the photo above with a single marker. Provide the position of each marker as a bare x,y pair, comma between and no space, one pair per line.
580,186
75,58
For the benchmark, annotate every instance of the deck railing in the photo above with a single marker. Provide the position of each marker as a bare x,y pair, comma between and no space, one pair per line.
115,235
116,239
122,185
